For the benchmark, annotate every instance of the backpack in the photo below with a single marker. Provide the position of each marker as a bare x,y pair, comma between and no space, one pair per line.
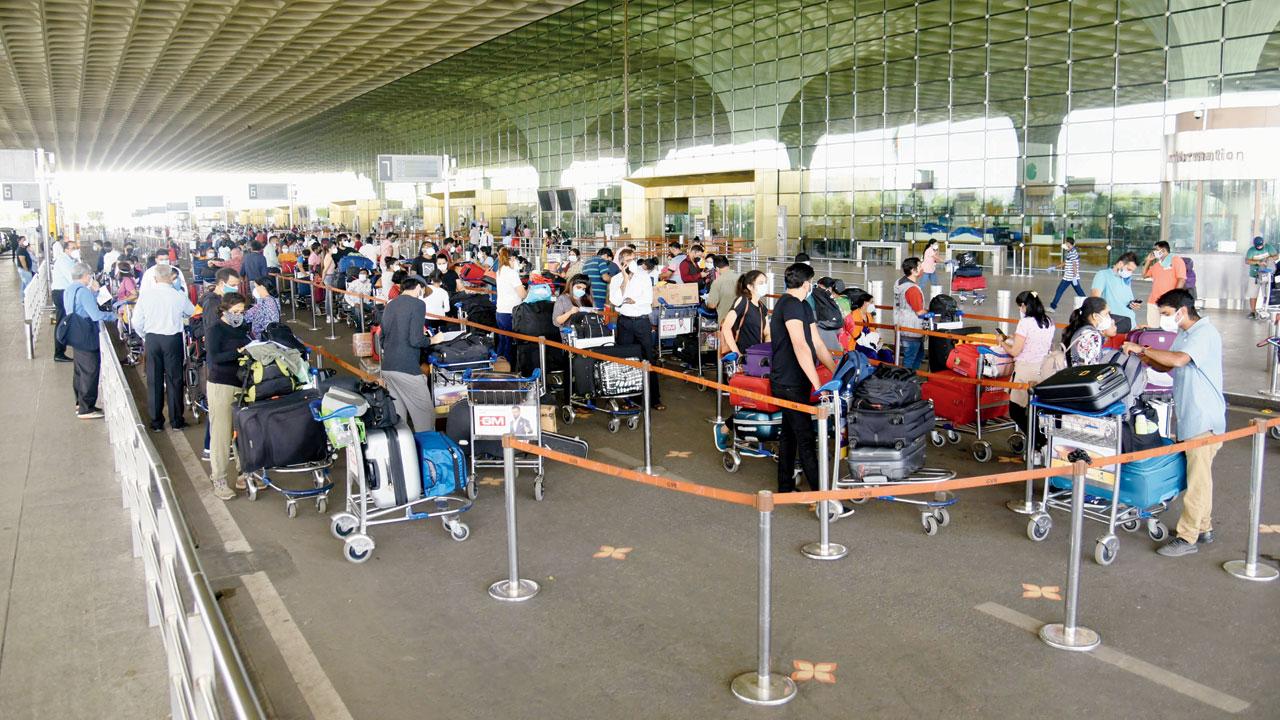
829,317
888,387
480,310
266,380
1141,429
944,308
535,319
281,334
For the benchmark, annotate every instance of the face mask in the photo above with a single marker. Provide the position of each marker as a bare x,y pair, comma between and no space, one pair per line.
633,266
1105,323
1022,313
573,258
579,293
228,289
760,289
1257,244
159,261
1169,323
442,267
234,319
1126,274
364,278
1064,247
1159,254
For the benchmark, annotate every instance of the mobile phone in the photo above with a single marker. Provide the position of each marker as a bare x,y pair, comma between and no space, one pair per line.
1002,334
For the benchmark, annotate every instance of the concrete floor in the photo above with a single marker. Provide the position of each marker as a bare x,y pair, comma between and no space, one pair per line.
917,626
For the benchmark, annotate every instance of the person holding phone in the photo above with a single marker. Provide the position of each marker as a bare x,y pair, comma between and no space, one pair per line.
1114,284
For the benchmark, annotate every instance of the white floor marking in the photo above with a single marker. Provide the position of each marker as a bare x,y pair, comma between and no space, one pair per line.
233,541
1141,668
312,682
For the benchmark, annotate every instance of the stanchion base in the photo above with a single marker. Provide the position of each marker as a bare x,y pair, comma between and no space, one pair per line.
655,470
1022,507
1082,640
777,690
714,420
816,551
521,591
1261,572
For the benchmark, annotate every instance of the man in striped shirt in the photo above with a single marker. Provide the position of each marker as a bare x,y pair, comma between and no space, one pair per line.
1070,266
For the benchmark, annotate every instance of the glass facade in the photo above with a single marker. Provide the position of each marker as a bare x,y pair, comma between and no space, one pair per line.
1117,122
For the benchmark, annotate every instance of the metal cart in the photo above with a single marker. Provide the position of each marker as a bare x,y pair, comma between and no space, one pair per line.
738,437
193,369
1097,434
620,407
319,472
987,421
678,321
351,526
506,405
448,383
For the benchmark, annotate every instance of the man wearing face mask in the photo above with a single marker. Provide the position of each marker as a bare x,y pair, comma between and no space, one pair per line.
691,268
631,292
1113,285
908,306
1261,258
724,289
1166,273
149,277
60,279
1195,361
159,317
403,338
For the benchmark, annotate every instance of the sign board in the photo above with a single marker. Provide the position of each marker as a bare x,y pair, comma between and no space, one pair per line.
18,165
156,210
410,168
498,420
177,207
268,191
1222,154
210,201
11,192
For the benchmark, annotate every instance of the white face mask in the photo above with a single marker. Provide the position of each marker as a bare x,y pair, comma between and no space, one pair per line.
760,289
1105,323
633,266
1064,246
1126,274
159,260
1169,323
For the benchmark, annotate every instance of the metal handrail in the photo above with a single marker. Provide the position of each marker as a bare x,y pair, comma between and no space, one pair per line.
207,675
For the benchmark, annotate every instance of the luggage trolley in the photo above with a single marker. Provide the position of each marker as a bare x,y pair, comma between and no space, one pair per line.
1268,283
319,492
1135,505
746,432
448,384
193,369
351,525
987,419
502,405
615,388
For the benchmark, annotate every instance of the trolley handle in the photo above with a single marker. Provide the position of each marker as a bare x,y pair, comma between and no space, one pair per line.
533,378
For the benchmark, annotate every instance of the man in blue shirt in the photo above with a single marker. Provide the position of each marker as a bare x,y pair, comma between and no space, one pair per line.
600,269
80,298
254,266
1195,360
1113,285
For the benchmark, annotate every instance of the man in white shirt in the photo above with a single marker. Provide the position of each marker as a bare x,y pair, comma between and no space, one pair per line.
149,277
59,280
159,318
271,252
370,251
110,257
631,292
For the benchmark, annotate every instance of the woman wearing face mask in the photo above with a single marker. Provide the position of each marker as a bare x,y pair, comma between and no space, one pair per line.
862,307
511,291
448,276
576,298
744,325
264,311
225,340
1086,331
1032,339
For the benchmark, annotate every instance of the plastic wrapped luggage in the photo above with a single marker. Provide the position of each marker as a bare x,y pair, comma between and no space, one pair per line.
753,384
886,462
957,401
895,427
1143,483
444,465
279,433
1084,388
391,466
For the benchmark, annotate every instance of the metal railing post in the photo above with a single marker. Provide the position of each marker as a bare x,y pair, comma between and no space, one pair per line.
512,588
1248,568
647,468
312,302
293,300
824,549
1273,365
328,304
1027,506
719,418
762,686
1066,635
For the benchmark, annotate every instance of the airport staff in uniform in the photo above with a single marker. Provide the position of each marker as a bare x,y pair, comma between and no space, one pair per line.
631,292
159,317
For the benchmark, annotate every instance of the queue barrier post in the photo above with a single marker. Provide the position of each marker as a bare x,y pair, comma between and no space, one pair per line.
824,549
719,418
1248,568
897,345
293,300
360,313
1273,364
1027,506
328,306
1066,635
512,588
647,468
762,686
314,310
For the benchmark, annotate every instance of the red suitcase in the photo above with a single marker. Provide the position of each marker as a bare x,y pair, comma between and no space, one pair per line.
754,384
959,284
963,360
957,401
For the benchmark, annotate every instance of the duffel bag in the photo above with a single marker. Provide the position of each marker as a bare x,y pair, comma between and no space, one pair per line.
888,387
279,433
261,381
464,349
587,326
382,408
894,427
444,465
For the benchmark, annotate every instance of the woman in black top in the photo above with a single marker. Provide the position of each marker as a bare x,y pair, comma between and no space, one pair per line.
224,341
448,276
744,324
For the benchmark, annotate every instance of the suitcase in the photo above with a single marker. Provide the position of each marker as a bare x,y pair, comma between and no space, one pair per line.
957,402
1158,339
889,463
1143,483
279,432
754,384
896,428
458,428
444,464
964,360
1084,388
758,361
391,466
962,283
574,446
940,348
754,424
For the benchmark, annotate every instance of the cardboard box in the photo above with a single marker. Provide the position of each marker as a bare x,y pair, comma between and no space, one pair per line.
362,344
676,293
548,419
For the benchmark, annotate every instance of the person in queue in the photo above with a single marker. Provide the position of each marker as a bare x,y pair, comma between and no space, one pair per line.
797,350
601,269
1032,339
226,336
693,269
575,299
1087,331
1114,284
80,298
862,308
724,292
744,321
908,306
159,319
1166,272
436,298
225,282
65,258
511,292
264,311
161,259
22,257
1260,258
403,338
448,275
1195,361
631,293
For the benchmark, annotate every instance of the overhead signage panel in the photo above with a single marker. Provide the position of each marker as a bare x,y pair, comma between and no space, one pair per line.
18,192
410,168
210,201
269,191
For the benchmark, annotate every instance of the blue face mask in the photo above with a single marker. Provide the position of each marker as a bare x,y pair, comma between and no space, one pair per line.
579,293
227,289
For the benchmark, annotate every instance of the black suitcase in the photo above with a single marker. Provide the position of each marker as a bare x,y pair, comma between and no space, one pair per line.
895,428
940,348
1084,388
280,432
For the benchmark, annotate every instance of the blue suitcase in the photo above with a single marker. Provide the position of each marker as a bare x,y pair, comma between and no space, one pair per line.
754,424
444,465
1144,483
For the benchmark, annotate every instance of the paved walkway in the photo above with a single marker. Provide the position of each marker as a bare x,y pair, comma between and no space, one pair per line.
74,640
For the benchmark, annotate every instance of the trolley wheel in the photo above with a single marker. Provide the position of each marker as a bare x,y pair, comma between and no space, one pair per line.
937,439
1156,530
633,422
614,425
1131,525
953,437
731,460
291,509
1104,551
459,531
343,524
833,507
538,491
252,489
472,489
930,524
358,548
568,415
982,451
1038,527
1018,443
322,504
1275,433
943,516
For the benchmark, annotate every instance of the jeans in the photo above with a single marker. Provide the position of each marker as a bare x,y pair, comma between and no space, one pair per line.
797,437
503,344
1062,287
912,351
927,281
639,331
26,276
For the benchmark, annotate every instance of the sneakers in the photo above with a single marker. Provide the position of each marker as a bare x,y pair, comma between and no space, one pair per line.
1252,316
243,480
62,358
1178,547
204,454
91,415
222,492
